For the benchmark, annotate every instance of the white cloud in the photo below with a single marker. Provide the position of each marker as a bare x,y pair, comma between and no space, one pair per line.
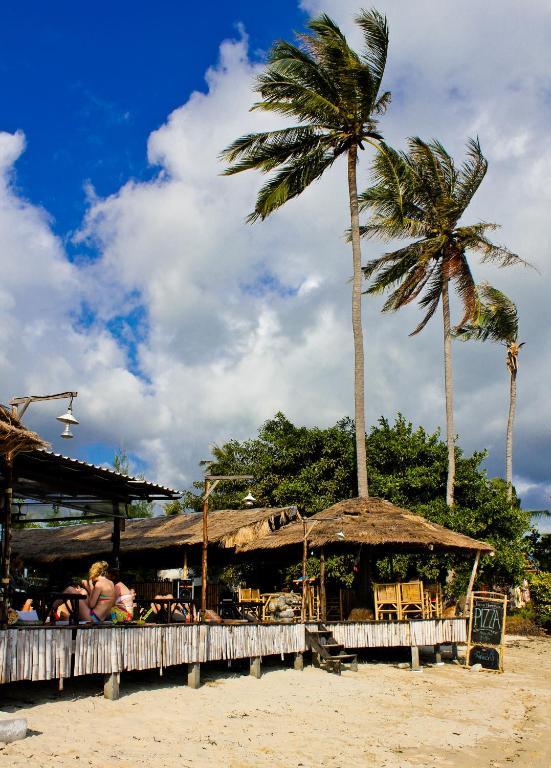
246,320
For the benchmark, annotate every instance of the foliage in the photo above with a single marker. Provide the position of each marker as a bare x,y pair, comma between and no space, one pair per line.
174,507
141,508
541,545
496,317
313,467
540,591
422,194
523,622
339,569
333,94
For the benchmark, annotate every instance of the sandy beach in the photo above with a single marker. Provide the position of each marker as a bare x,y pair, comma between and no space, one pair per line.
380,716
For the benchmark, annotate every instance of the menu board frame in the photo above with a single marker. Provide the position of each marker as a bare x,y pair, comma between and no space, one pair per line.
483,623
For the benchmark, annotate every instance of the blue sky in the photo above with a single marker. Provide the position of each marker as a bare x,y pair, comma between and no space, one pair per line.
88,83
130,275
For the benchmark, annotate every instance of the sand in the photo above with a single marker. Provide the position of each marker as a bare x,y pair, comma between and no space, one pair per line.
379,716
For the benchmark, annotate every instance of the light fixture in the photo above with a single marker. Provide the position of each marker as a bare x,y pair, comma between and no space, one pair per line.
68,418
249,500
340,535
67,434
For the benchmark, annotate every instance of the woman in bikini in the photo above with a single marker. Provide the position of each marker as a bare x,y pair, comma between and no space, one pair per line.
124,603
101,593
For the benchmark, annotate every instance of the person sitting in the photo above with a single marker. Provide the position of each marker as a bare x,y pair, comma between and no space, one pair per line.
123,610
60,609
177,611
101,593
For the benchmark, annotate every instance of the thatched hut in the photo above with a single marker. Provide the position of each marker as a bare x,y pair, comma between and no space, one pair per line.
372,522
371,527
159,541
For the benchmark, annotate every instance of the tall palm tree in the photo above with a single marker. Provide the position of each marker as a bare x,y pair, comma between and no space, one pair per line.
497,320
334,94
421,195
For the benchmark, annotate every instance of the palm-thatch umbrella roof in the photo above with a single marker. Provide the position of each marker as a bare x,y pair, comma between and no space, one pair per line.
227,528
372,522
14,437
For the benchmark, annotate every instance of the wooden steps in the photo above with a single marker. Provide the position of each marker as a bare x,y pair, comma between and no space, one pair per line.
327,653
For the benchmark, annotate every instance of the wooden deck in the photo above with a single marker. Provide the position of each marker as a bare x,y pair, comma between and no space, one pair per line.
43,653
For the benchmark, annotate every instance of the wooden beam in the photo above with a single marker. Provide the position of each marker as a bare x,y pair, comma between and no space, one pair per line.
471,580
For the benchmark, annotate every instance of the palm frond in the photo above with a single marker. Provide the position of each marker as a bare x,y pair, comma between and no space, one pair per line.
496,318
290,181
265,150
466,289
471,174
375,29
431,299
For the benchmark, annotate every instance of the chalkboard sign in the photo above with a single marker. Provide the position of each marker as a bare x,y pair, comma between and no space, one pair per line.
487,620
486,657
486,630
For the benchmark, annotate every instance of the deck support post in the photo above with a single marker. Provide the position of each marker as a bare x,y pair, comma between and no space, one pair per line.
298,662
256,667
438,656
415,666
455,655
111,686
194,675
316,659
322,593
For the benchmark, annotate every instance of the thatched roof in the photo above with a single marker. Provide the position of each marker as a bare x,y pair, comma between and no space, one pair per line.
14,437
372,521
227,528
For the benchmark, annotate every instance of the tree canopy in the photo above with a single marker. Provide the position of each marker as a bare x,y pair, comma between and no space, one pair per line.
313,467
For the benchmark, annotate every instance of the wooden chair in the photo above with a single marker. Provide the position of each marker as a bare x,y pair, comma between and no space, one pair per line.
412,601
387,602
433,601
248,595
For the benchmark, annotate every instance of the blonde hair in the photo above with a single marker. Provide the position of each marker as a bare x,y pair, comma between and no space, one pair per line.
98,569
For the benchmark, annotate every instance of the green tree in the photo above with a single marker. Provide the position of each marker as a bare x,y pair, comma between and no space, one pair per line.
334,94
141,508
312,468
497,320
422,194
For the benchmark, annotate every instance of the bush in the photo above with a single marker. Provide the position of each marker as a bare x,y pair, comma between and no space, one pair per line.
540,590
523,622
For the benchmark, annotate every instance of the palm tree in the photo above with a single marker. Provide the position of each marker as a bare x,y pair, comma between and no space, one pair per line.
334,95
421,195
497,320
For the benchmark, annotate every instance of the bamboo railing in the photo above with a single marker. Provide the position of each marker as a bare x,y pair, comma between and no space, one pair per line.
40,653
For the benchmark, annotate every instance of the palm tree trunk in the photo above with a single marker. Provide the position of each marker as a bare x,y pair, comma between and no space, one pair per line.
448,386
509,440
359,406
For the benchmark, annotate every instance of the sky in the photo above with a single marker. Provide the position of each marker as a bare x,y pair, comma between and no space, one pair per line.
130,275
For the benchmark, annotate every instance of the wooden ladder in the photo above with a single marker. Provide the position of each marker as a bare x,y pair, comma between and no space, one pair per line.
327,653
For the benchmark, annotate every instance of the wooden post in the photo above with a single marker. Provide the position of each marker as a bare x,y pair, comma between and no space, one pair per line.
304,557
204,553
194,675
323,594
111,686
438,656
116,537
256,667
185,566
298,662
415,666
6,540
471,580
